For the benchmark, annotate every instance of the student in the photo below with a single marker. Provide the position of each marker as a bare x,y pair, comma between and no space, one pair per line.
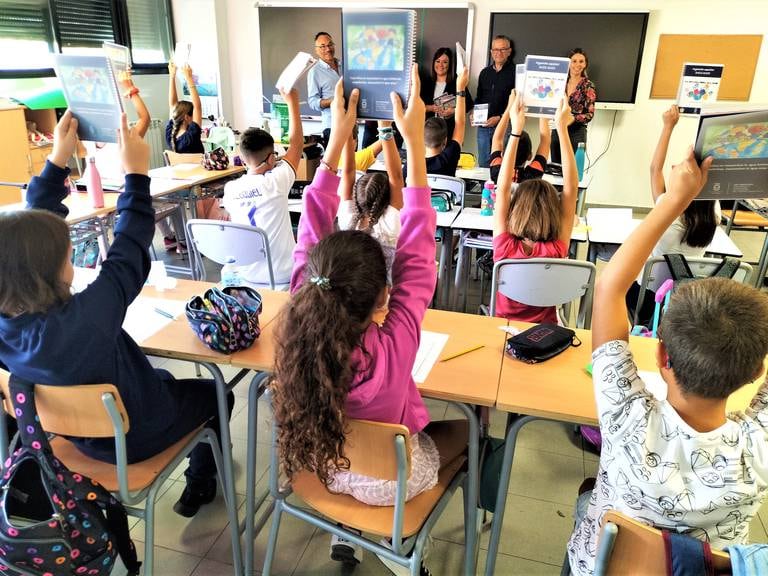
689,235
531,221
680,463
365,158
49,336
332,362
183,132
373,202
260,196
538,163
443,155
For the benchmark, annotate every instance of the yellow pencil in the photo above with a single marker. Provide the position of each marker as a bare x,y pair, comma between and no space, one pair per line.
467,351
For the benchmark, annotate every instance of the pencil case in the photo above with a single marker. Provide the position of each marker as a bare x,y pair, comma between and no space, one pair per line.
226,320
541,342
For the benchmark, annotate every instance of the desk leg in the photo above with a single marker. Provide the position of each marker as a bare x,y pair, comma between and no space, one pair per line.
228,482
592,252
471,495
444,272
580,201
461,263
513,428
762,264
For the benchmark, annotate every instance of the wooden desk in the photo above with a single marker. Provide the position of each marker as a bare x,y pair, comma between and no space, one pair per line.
194,174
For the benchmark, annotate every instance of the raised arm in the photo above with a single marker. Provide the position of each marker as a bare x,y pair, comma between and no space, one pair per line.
321,201
609,321
394,168
545,138
417,163
515,110
197,112
670,118
295,130
142,124
348,173
563,119
173,97
46,192
460,115
497,143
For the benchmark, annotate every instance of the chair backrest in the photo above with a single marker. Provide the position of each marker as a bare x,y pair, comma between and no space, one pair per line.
656,272
218,240
467,160
626,546
370,448
456,186
546,282
173,158
71,410
220,136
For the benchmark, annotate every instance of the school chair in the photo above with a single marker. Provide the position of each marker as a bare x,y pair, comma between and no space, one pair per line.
749,221
467,160
97,411
175,158
220,137
656,272
626,546
219,240
380,451
547,282
456,186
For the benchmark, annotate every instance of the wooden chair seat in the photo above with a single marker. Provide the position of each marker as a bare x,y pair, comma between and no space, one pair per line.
746,218
373,519
140,475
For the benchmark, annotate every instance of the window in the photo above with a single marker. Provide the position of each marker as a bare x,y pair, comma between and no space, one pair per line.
32,30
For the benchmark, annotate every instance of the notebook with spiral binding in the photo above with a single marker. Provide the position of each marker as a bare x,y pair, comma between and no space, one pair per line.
90,88
379,49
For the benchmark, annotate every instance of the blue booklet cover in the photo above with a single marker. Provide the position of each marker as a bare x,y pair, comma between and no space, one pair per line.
738,144
379,49
91,91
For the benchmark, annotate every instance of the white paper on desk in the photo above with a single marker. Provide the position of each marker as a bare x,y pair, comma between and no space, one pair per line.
430,347
654,383
142,319
176,172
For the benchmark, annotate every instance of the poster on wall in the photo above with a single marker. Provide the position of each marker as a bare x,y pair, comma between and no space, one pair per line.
699,84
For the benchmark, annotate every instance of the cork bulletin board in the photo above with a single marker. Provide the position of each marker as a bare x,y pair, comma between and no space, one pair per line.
737,52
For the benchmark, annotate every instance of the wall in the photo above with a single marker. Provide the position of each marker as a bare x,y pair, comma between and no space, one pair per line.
621,175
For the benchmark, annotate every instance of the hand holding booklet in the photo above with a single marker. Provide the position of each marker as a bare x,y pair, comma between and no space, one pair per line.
300,65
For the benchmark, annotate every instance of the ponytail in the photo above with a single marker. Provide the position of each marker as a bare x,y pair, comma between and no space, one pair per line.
371,197
700,223
182,109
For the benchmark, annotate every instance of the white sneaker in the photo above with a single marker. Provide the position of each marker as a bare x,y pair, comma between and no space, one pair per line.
345,551
399,569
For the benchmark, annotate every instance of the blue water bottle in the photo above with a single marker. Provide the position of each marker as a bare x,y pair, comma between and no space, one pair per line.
581,152
486,203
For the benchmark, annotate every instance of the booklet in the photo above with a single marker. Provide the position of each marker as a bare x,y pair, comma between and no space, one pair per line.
544,85
446,103
119,56
461,58
299,66
181,54
738,144
92,94
379,49
699,85
479,115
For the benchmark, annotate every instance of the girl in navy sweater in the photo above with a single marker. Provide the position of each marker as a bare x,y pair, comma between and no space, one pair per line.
50,336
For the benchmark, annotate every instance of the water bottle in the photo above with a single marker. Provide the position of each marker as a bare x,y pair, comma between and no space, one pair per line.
492,202
93,184
229,274
486,204
581,152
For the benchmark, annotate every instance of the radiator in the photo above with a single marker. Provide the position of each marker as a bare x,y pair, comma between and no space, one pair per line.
155,137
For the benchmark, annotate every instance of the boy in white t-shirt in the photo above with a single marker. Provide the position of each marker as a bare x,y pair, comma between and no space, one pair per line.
680,463
260,197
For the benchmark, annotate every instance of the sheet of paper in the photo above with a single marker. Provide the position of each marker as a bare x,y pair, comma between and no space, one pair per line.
142,319
654,383
430,348
299,66
461,58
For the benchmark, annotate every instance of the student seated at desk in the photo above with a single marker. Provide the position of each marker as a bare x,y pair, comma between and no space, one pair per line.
49,336
260,196
365,158
532,220
680,463
332,361
689,235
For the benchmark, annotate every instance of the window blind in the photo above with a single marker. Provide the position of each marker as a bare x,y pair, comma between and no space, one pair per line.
84,23
25,21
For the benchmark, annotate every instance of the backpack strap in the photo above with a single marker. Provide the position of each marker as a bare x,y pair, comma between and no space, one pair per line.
117,521
31,433
727,268
678,267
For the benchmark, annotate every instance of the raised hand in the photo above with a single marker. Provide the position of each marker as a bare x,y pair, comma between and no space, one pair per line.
671,116
410,122
563,115
172,68
187,71
64,140
463,79
134,151
291,96
342,121
687,178
516,109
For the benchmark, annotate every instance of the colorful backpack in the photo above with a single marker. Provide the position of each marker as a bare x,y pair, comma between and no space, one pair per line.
215,159
226,320
86,527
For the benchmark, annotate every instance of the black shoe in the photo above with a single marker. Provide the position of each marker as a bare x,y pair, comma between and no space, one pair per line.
192,498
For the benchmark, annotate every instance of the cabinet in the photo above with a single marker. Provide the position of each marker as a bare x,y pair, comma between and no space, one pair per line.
20,159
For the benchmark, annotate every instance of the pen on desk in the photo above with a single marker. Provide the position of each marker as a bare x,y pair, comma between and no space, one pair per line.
164,313
467,351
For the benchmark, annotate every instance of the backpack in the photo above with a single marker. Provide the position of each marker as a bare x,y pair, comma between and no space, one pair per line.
85,526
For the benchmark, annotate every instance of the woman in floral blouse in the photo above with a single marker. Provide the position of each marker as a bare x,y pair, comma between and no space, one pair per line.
581,96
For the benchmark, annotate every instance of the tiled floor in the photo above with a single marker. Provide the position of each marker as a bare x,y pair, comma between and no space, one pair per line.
549,466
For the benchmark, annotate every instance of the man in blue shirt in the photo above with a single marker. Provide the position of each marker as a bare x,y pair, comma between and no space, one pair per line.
322,79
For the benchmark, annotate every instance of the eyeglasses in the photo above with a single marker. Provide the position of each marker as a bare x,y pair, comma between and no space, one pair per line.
500,50
266,159
325,46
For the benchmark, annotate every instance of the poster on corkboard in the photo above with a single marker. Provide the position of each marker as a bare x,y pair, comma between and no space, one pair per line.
737,52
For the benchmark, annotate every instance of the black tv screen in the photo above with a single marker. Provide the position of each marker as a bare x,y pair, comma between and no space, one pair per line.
613,43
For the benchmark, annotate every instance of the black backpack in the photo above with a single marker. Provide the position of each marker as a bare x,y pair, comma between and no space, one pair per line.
62,523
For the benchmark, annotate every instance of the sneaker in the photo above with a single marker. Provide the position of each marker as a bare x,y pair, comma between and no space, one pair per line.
181,247
345,551
192,498
169,244
399,569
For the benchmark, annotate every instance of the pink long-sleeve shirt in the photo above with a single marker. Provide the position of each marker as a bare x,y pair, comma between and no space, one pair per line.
382,388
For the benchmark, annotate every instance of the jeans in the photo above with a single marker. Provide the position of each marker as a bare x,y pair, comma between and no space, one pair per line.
484,140
577,133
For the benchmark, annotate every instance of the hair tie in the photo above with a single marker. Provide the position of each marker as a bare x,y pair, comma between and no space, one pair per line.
322,282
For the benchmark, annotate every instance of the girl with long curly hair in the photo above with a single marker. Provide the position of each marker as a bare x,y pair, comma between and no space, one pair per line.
332,361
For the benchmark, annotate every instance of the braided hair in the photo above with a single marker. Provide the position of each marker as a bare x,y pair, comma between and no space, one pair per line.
371,198
182,109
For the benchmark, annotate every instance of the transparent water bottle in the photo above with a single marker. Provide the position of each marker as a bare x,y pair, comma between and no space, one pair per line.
581,152
229,273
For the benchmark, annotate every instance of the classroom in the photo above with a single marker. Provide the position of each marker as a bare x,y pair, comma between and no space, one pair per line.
499,381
